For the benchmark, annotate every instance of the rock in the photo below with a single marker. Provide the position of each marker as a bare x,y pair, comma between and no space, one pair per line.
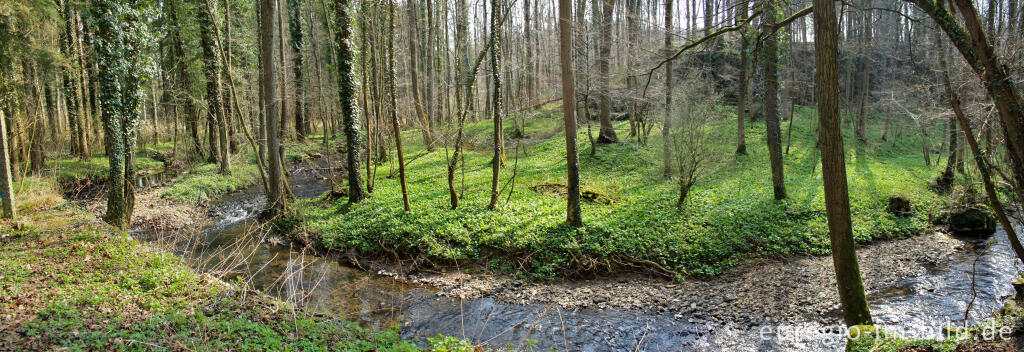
972,221
899,206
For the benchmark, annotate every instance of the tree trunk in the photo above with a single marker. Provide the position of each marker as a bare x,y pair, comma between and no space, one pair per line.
565,43
6,185
414,78
394,105
184,77
771,82
118,27
347,92
607,133
833,167
271,108
860,129
666,148
499,135
301,106
72,92
215,109
742,13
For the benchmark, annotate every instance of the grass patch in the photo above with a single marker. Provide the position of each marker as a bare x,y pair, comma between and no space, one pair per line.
729,218
205,182
95,168
70,282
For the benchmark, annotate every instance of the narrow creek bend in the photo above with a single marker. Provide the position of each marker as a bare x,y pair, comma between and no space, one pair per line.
228,246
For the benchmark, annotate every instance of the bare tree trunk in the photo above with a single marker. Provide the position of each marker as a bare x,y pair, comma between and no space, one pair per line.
607,132
565,43
771,81
6,188
666,131
275,195
394,105
860,130
414,78
742,13
833,167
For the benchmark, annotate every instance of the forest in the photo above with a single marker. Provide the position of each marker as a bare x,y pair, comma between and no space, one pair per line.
512,175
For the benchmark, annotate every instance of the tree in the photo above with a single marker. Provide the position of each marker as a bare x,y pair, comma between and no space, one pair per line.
271,109
744,80
833,166
6,188
667,145
184,77
499,135
573,214
604,100
414,78
393,105
215,108
346,93
72,89
121,39
771,88
864,68
295,32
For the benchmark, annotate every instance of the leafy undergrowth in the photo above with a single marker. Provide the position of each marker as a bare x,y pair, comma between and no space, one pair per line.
730,217
68,281
205,182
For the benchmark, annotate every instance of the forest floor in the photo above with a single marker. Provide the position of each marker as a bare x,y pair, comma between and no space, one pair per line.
69,281
632,222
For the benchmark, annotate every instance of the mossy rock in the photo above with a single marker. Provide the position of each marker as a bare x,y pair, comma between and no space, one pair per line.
899,206
972,221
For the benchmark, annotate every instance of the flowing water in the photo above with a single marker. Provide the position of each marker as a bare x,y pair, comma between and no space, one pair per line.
229,246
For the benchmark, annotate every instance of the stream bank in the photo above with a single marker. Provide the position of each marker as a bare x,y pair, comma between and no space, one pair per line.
915,285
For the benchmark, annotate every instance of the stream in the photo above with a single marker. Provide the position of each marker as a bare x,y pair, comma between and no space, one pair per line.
228,247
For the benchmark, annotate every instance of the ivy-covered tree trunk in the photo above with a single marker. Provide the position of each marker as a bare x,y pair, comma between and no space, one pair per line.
121,37
666,129
295,31
215,108
499,140
346,94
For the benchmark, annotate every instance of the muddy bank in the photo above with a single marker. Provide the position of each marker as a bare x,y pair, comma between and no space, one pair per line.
766,291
